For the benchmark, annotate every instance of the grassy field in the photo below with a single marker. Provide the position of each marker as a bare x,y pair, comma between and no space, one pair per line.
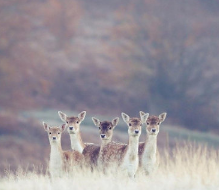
190,167
189,159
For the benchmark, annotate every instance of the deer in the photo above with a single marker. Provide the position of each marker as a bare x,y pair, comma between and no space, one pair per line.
73,128
148,154
106,132
93,153
125,156
60,160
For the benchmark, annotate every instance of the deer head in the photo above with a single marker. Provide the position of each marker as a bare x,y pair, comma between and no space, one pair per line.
153,123
106,127
134,124
54,132
72,123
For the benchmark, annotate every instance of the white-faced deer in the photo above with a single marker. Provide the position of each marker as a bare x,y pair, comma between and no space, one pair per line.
125,155
73,128
148,154
93,153
60,160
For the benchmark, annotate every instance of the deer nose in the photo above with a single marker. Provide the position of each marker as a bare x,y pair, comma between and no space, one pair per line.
136,131
71,128
153,130
54,138
102,136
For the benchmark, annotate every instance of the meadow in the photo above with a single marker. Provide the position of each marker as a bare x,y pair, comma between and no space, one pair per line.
189,159
106,57
191,167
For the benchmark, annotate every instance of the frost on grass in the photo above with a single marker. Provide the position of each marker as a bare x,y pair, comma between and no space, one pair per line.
189,167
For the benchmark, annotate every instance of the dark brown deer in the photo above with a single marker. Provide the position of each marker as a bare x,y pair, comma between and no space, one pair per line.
93,153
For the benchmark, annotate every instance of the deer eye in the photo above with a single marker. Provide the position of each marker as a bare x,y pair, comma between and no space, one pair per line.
58,133
130,124
77,121
110,128
66,121
148,123
50,133
158,123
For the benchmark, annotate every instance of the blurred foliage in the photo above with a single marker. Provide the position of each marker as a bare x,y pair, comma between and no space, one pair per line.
108,57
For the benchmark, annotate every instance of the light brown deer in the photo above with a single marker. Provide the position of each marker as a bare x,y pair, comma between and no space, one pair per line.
148,154
73,128
125,156
60,160
93,153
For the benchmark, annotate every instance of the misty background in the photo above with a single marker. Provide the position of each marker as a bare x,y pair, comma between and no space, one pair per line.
106,57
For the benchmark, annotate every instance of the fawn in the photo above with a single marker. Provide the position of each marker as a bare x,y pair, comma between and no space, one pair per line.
60,160
148,154
125,156
73,127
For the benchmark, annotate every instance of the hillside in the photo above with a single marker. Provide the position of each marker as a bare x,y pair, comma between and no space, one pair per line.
111,56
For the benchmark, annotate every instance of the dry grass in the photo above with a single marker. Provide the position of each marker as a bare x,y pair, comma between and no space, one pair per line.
188,167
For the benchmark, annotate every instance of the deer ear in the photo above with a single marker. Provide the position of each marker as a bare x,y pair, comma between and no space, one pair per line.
142,113
82,115
115,121
162,116
144,116
96,121
62,116
46,127
63,127
125,117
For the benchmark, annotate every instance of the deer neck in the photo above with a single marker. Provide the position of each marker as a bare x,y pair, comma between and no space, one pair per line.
105,142
133,146
56,153
101,152
150,146
76,142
